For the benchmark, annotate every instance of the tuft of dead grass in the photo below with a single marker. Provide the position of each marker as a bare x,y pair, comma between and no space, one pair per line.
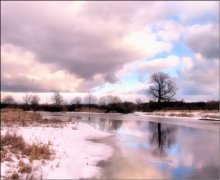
16,144
37,152
24,167
14,175
12,117
182,114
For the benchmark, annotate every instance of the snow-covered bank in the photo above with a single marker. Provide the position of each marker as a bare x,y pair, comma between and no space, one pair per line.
75,156
193,114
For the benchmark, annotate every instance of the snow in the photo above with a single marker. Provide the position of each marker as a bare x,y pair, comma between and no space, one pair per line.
187,114
75,156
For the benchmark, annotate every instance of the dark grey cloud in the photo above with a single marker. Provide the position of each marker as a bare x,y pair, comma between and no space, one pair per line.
204,40
22,84
59,39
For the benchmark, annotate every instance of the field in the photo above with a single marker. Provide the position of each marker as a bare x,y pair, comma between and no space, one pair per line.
36,148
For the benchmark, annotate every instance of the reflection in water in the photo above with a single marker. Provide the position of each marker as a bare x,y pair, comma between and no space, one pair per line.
190,153
162,136
105,124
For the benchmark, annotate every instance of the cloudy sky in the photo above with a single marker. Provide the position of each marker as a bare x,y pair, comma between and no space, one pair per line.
109,47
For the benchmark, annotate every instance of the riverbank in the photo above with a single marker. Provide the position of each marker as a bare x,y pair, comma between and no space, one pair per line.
195,114
73,155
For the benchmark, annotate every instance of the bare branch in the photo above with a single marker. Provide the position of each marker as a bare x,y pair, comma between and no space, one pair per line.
163,89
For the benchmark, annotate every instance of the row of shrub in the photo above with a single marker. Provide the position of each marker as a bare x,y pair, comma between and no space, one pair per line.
122,107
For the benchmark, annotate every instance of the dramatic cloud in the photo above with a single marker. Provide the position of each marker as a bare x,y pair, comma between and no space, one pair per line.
108,46
80,42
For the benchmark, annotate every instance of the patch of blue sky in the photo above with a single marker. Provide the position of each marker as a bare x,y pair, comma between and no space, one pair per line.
130,78
127,81
175,18
173,72
162,55
206,18
180,49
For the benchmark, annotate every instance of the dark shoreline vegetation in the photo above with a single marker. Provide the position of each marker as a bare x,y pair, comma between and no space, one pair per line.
121,107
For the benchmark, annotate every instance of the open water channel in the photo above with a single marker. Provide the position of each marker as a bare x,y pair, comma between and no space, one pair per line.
148,147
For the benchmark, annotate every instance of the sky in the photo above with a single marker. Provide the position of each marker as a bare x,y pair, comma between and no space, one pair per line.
109,48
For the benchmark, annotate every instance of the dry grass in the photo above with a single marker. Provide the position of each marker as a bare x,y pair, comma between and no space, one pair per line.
12,117
24,167
182,114
14,175
16,144
14,149
213,114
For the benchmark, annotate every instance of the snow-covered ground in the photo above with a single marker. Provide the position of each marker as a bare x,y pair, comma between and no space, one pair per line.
193,114
75,156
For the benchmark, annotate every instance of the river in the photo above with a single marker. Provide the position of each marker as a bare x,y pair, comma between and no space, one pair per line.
148,147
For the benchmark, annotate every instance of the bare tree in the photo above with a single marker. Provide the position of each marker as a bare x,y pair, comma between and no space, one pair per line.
57,98
77,101
163,88
114,99
138,101
103,101
90,99
27,99
106,100
34,100
8,100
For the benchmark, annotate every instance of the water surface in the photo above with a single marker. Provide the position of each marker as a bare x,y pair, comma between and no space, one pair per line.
156,148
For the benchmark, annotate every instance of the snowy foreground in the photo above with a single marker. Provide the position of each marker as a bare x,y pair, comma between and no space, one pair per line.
75,156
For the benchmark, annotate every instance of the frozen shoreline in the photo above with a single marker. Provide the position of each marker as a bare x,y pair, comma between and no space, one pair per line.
185,114
193,114
75,156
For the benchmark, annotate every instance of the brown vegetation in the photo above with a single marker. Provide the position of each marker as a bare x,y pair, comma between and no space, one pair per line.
24,167
14,145
213,114
12,117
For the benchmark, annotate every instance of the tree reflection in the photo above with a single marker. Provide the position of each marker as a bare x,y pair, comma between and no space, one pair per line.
109,124
162,136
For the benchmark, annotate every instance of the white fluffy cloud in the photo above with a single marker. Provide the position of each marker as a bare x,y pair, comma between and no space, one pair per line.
199,76
149,67
21,71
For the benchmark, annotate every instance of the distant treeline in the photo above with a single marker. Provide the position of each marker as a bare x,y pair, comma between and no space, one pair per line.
120,107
